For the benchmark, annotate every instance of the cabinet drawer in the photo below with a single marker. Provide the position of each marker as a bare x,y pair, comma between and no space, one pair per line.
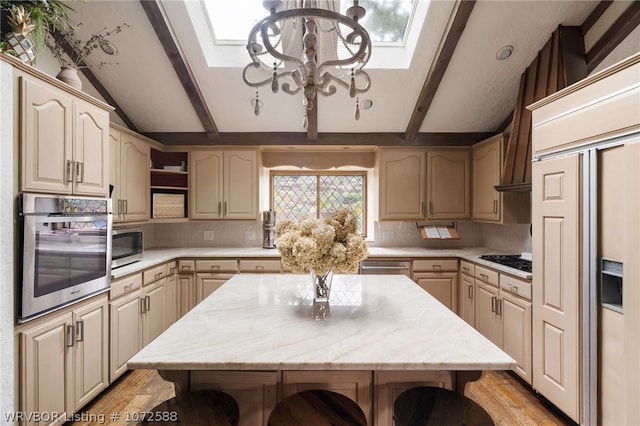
489,276
186,266
216,265
125,285
516,286
467,268
436,265
260,266
172,267
154,274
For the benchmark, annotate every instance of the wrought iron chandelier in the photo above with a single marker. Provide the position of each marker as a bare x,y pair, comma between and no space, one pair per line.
309,49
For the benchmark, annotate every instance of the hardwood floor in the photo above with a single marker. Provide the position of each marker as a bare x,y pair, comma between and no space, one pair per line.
507,400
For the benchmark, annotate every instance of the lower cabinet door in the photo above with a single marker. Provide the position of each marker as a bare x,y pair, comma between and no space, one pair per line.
208,283
92,351
466,299
487,319
126,332
516,332
154,319
46,369
441,285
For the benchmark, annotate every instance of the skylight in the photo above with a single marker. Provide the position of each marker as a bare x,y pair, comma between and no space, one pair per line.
386,21
222,28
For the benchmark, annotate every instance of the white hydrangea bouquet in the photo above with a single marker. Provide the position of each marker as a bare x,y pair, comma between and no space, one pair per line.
322,247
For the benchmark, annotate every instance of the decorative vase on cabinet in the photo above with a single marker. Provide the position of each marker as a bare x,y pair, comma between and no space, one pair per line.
70,76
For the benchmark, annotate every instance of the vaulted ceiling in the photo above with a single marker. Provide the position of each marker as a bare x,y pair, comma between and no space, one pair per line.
454,90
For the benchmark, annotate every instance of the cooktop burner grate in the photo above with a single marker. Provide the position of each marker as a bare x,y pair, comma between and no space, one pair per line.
510,260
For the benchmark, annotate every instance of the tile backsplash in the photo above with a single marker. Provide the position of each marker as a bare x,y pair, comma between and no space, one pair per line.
507,238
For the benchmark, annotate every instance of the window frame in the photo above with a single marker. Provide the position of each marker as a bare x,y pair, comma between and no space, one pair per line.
318,174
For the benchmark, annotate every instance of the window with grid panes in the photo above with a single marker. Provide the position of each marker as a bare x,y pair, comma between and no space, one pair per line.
318,194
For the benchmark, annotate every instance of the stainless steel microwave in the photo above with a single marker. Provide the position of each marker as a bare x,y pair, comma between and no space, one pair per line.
127,246
65,251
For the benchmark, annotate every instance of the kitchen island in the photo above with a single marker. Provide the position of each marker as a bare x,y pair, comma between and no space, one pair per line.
260,338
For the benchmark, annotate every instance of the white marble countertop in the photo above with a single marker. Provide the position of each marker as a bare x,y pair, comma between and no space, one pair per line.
267,322
159,255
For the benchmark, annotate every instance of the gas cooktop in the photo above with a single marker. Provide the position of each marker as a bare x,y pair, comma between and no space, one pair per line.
510,260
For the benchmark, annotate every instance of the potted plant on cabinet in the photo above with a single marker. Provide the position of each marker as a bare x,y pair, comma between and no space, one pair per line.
32,20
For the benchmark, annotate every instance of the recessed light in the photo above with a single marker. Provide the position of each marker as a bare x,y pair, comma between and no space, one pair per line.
367,103
504,52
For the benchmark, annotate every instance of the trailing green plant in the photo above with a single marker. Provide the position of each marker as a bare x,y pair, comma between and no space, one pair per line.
45,15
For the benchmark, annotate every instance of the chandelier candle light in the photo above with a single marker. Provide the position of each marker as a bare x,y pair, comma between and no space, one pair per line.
297,49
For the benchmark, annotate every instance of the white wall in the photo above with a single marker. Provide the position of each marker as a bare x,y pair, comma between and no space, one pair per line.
6,242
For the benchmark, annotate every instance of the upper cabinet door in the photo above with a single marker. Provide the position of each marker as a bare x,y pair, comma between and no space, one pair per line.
91,140
448,184
134,178
487,167
402,185
240,185
205,182
46,141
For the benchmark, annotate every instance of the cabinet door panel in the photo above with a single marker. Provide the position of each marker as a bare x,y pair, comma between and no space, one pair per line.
92,352
47,368
516,333
466,299
442,286
240,185
402,185
155,318
487,166
556,280
207,284
46,143
135,178
126,333
91,139
486,318
448,185
186,292
205,181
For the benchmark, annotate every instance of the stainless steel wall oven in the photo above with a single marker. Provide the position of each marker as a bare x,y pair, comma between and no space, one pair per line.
65,251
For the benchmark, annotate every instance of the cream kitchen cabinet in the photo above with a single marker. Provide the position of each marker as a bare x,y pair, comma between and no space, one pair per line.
211,274
186,286
224,184
439,277
448,184
129,175
137,315
503,315
490,205
64,141
64,359
403,180
466,292
171,290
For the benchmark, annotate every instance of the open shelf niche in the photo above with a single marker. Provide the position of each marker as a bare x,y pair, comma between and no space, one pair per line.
169,186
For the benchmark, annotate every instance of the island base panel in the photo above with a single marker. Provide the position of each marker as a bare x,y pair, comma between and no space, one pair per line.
258,392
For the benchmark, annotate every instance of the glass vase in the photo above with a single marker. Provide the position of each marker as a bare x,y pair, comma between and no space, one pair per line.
321,286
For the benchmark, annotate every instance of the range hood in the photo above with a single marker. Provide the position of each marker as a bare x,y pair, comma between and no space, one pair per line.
561,62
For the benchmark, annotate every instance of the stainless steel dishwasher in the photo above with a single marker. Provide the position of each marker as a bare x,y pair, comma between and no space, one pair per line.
385,267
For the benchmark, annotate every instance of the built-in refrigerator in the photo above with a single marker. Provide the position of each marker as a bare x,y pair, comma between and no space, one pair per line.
586,247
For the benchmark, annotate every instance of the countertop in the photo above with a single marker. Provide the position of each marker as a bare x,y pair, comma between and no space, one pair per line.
269,322
158,255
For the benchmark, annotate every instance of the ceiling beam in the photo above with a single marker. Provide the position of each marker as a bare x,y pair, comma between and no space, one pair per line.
301,138
156,17
439,67
616,33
